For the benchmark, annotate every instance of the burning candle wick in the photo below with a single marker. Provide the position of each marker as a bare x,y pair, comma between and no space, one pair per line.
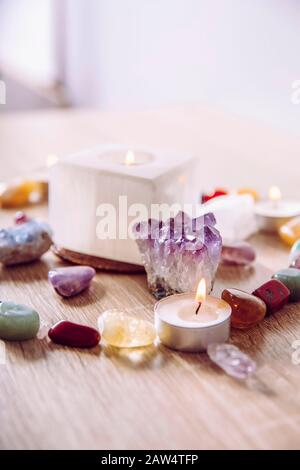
200,294
130,158
198,308
275,196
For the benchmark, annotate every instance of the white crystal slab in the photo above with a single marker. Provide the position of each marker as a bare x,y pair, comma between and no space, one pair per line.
235,216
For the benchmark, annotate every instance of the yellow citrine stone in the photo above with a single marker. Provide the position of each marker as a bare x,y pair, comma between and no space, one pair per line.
124,331
252,192
290,232
22,193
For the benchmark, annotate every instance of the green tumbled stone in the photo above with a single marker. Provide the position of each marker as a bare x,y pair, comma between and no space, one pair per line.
18,322
291,278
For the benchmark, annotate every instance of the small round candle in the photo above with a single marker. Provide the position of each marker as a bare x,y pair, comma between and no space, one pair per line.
187,324
275,212
128,158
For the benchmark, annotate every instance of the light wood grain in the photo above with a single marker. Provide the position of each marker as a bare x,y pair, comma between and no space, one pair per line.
54,397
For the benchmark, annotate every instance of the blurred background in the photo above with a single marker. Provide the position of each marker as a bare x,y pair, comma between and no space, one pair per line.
235,55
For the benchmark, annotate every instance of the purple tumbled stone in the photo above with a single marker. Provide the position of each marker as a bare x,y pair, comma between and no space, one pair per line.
71,280
177,253
233,361
240,253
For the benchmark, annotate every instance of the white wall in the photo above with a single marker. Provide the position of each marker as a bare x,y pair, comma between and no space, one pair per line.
27,46
241,55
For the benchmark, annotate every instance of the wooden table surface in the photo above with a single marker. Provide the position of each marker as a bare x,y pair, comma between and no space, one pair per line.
53,397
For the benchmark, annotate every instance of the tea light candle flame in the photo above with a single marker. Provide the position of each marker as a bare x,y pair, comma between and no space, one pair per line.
51,160
274,195
200,294
129,158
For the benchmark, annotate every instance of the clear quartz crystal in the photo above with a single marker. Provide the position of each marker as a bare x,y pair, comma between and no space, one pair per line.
177,253
233,361
43,331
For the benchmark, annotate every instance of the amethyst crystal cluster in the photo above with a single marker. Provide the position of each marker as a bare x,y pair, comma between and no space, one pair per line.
177,253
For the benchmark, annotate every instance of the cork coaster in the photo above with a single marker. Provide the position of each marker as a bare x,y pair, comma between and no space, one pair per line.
96,262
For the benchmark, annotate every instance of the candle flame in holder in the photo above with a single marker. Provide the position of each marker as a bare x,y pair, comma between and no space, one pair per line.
274,195
200,294
51,160
129,158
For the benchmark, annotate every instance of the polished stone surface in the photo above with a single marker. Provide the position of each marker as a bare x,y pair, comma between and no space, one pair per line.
290,232
74,335
239,254
247,310
294,258
18,322
274,293
252,192
23,193
71,280
24,242
290,277
232,360
216,193
125,331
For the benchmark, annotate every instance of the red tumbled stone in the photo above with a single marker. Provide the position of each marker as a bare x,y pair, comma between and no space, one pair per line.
71,334
217,193
275,295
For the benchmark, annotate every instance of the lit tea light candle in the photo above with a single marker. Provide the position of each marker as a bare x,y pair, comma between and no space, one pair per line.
129,158
275,196
51,160
275,212
189,322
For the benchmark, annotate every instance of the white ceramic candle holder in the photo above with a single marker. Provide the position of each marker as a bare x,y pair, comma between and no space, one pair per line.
271,217
80,186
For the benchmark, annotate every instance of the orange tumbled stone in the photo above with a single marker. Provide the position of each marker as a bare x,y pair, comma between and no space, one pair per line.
247,310
290,232
22,193
252,192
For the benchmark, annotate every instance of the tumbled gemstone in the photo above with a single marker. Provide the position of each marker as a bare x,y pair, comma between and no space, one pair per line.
18,322
252,192
71,280
290,277
295,255
22,193
25,242
21,217
178,252
74,335
290,232
240,253
216,193
43,331
124,331
247,310
296,262
275,295
233,361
